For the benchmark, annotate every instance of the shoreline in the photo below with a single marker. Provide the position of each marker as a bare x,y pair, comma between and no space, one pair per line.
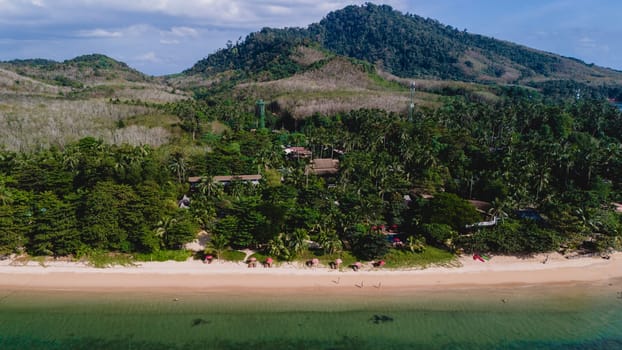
193,276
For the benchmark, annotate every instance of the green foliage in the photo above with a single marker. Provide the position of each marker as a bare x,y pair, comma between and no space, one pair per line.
164,255
449,209
516,152
183,230
54,228
430,256
513,237
15,218
415,244
217,244
439,234
265,54
370,246
102,259
232,255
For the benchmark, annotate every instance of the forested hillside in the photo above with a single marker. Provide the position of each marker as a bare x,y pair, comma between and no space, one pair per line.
404,45
45,103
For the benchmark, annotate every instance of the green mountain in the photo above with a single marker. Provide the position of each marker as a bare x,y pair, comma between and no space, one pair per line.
76,72
405,45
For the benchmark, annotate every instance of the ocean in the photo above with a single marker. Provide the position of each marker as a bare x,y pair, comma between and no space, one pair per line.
618,104
552,317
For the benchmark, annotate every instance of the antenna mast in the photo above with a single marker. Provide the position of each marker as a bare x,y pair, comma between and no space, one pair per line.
411,109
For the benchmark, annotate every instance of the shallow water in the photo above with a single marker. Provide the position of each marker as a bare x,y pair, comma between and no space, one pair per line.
578,317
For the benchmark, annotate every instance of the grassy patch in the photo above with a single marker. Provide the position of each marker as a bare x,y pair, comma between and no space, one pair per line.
326,259
152,120
386,84
232,255
164,255
101,259
431,256
260,257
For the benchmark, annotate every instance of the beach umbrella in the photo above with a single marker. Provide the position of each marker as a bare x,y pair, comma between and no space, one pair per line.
338,261
315,261
358,264
269,260
253,259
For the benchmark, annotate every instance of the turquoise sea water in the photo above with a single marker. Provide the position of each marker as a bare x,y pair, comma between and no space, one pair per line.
618,104
578,317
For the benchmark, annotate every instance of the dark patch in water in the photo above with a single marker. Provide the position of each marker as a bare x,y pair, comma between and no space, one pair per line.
200,321
377,319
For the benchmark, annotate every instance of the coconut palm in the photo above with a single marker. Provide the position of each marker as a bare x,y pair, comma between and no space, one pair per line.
217,244
163,227
330,242
278,248
177,164
297,241
208,187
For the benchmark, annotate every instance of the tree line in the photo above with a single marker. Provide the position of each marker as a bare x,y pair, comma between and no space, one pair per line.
561,161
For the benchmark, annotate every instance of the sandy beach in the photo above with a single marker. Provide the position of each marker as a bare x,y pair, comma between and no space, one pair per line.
196,276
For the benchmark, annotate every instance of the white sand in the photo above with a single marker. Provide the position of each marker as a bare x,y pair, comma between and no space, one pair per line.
196,276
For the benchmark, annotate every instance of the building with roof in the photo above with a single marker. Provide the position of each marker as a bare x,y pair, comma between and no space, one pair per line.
323,166
227,179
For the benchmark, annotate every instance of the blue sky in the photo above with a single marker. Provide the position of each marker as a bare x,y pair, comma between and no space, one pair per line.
167,36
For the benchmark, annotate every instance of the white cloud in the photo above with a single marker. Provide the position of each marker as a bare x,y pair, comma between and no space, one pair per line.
586,42
245,13
138,30
148,57
169,42
184,32
99,33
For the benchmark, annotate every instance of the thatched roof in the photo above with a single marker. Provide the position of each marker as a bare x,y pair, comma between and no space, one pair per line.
481,206
323,166
298,152
228,178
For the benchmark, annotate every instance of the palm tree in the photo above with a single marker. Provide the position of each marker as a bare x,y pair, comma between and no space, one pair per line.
278,248
177,164
207,186
330,242
217,244
163,227
297,241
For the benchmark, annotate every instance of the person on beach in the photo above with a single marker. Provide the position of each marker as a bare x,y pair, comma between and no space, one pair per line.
268,262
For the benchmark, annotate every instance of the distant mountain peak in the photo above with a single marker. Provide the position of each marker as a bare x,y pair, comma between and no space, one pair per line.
406,45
